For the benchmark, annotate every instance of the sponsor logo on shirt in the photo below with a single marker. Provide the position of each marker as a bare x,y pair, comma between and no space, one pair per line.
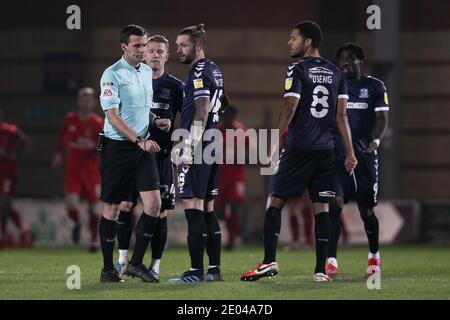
329,194
158,105
357,105
320,70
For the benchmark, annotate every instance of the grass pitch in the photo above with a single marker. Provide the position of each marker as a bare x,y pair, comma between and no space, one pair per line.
408,273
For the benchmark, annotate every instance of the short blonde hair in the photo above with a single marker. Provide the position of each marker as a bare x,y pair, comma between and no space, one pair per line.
159,39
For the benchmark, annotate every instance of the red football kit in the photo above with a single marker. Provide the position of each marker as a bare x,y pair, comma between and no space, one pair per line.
79,137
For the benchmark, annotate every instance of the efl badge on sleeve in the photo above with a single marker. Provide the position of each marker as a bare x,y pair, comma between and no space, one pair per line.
386,99
198,83
288,83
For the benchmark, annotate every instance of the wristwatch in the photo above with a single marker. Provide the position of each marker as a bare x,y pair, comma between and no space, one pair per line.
138,139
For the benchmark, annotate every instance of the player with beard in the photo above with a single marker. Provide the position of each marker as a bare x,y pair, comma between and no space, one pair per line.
197,182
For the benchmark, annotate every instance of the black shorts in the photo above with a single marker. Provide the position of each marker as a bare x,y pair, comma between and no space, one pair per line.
301,169
198,181
124,168
166,186
362,186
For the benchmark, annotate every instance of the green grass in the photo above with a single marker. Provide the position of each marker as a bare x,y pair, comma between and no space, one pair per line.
408,273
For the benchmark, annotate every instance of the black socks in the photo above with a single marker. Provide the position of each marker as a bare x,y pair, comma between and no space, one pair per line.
145,230
272,227
107,232
214,239
123,230
335,217
159,239
371,225
322,233
196,237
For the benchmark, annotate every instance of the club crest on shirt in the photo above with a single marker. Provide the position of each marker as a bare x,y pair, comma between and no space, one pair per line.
363,93
165,93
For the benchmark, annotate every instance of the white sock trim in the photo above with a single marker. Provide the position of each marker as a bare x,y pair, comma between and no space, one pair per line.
374,255
333,261
155,265
123,256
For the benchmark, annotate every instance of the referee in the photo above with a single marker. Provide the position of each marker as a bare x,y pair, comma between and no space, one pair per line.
126,159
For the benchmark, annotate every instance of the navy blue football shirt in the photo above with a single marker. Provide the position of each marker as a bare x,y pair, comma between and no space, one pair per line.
366,97
204,80
318,84
167,101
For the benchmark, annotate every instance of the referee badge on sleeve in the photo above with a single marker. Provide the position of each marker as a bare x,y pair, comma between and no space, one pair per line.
108,93
386,99
288,83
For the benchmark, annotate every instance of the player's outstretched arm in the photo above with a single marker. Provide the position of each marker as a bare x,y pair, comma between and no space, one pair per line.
344,131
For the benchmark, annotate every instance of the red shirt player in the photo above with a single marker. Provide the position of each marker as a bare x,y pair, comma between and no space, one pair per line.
12,143
78,139
231,178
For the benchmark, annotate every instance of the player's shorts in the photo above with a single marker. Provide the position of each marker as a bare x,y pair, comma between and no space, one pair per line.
301,169
198,181
166,186
362,186
124,168
83,181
